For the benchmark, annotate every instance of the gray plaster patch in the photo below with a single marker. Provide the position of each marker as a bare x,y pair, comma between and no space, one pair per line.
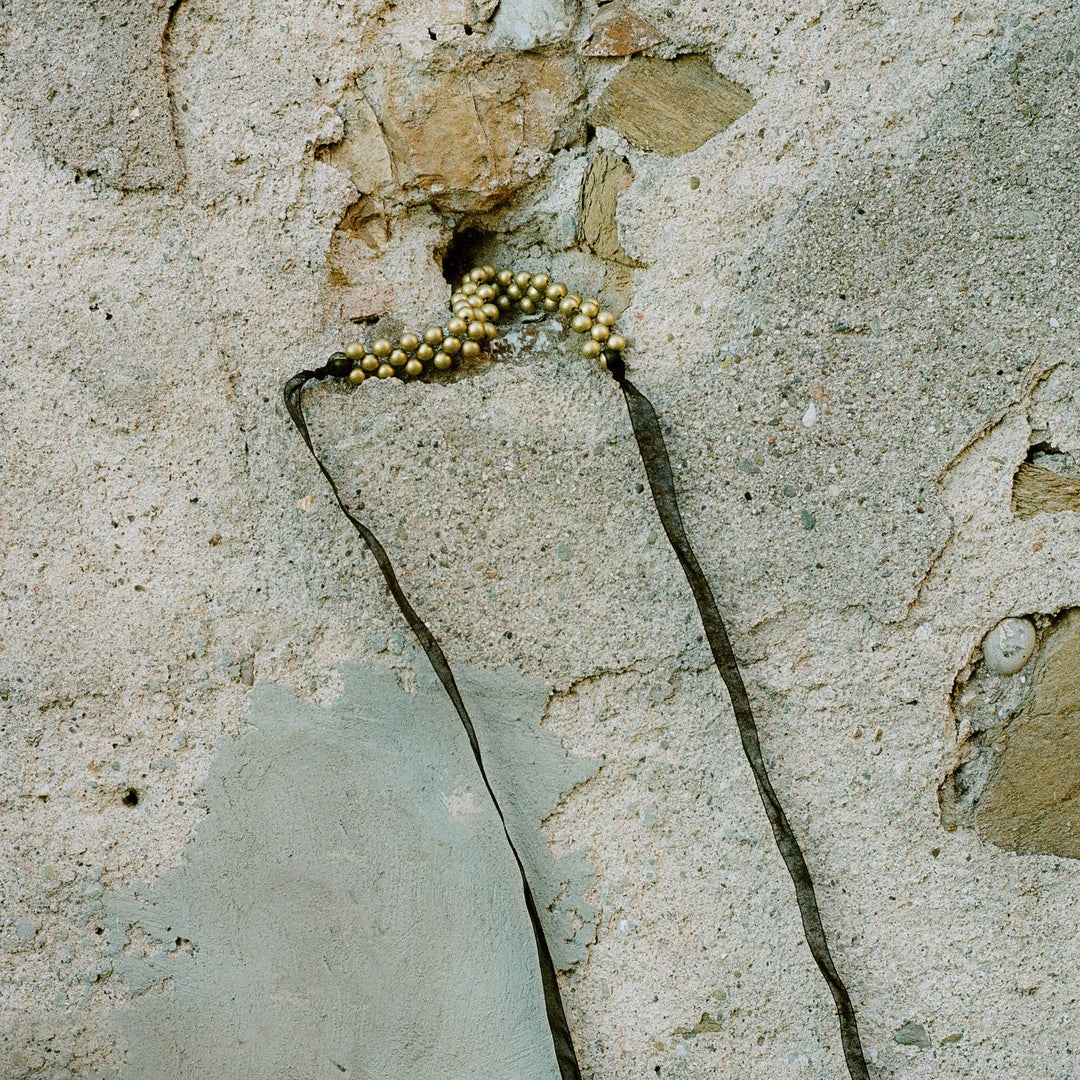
349,907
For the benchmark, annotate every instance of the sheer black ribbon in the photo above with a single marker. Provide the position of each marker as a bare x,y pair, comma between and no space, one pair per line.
654,456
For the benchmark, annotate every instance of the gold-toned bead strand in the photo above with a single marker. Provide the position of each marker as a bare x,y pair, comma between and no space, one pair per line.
486,295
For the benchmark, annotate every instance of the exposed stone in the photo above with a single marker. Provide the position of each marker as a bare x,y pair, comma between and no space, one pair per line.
1030,804
618,31
670,106
1020,777
90,80
1039,491
527,24
606,178
1008,647
470,129
361,150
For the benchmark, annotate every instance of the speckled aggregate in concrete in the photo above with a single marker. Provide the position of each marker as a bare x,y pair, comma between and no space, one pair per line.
851,324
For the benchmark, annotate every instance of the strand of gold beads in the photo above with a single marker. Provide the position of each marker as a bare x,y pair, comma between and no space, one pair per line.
485,296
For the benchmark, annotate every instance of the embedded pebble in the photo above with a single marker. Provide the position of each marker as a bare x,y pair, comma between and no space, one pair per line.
1008,647
912,1034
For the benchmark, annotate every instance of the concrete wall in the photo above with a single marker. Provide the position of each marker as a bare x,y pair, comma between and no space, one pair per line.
238,832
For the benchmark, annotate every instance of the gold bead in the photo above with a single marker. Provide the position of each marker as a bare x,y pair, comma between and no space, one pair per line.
414,368
463,311
397,357
569,304
442,361
355,351
424,352
605,318
451,345
408,342
458,298
514,291
590,308
503,302
527,306
616,343
476,274
534,294
489,271
582,324
556,290
490,330
490,312
382,347
470,350
370,363
600,333
504,278
477,331
456,327
550,305
469,288
486,292
385,371
591,349
522,279
541,281
432,335
357,376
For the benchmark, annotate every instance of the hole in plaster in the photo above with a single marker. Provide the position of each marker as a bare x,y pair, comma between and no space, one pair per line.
1017,777
466,249
1046,482
130,797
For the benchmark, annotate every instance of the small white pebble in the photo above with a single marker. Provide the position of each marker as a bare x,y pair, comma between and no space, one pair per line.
810,415
1008,647
1054,323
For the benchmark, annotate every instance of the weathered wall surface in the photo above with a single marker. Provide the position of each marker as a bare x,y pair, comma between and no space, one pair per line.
843,241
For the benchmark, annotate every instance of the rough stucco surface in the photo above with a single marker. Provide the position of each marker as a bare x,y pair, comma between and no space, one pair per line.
856,310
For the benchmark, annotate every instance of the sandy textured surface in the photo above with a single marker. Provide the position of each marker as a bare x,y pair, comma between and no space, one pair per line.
856,308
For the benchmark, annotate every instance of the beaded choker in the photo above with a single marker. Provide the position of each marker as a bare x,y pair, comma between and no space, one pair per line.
486,296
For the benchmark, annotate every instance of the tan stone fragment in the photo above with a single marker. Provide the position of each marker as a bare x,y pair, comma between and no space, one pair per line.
617,31
1032,801
670,106
470,129
362,150
1037,490
606,177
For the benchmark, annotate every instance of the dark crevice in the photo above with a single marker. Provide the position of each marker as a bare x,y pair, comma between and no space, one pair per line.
166,67
466,249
